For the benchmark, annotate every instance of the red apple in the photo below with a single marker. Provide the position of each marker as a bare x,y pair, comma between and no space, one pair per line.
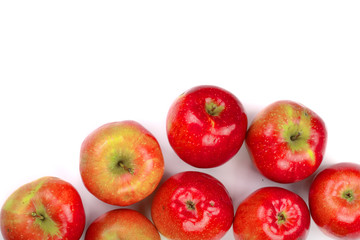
272,213
192,205
122,224
121,163
334,200
286,141
48,209
206,126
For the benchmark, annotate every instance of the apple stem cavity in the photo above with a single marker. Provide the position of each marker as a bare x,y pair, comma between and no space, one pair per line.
212,108
295,137
38,216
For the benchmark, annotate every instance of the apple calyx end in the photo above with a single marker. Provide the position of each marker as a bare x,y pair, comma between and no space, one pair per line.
281,218
348,195
190,205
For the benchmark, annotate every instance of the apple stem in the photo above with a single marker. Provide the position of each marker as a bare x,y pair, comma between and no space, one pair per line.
38,216
295,137
121,164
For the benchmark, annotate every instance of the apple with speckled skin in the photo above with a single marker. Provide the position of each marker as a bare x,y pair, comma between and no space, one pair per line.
286,141
46,209
272,213
122,224
192,205
206,126
334,200
121,163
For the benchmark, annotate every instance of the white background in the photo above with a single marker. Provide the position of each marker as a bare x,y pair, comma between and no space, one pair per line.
67,67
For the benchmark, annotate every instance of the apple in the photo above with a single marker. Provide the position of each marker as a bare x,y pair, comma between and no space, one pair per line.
272,213
192,205
121,163
334,200
286,141
206,126
48,208
122,224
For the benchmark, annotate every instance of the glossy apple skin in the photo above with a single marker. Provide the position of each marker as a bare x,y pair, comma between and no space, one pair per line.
192,205
125,142
199,138
269,143
54,200
334,214
257,217
125,224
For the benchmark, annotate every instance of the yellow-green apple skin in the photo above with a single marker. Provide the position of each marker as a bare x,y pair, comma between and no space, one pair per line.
121,163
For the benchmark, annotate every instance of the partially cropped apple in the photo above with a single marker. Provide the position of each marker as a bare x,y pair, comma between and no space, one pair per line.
122,224
206,126
192,205
272,213
334,200
121,163
286,141
48,209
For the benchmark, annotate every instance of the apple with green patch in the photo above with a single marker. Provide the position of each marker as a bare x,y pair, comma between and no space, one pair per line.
272,213
206,126
126,224
286,141
121,163
334,200
192,205
48,208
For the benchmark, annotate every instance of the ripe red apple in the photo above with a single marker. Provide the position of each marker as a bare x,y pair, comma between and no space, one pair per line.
286,141
48,208
206,126
334,200
272,213
192,205
121,163
122,224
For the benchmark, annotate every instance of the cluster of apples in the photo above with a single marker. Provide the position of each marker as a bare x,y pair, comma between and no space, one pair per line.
121,163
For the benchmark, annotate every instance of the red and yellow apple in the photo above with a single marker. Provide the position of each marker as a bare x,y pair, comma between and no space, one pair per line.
272,213
192,205
48,209
206,126
126,224
334,200
121,163
286,141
